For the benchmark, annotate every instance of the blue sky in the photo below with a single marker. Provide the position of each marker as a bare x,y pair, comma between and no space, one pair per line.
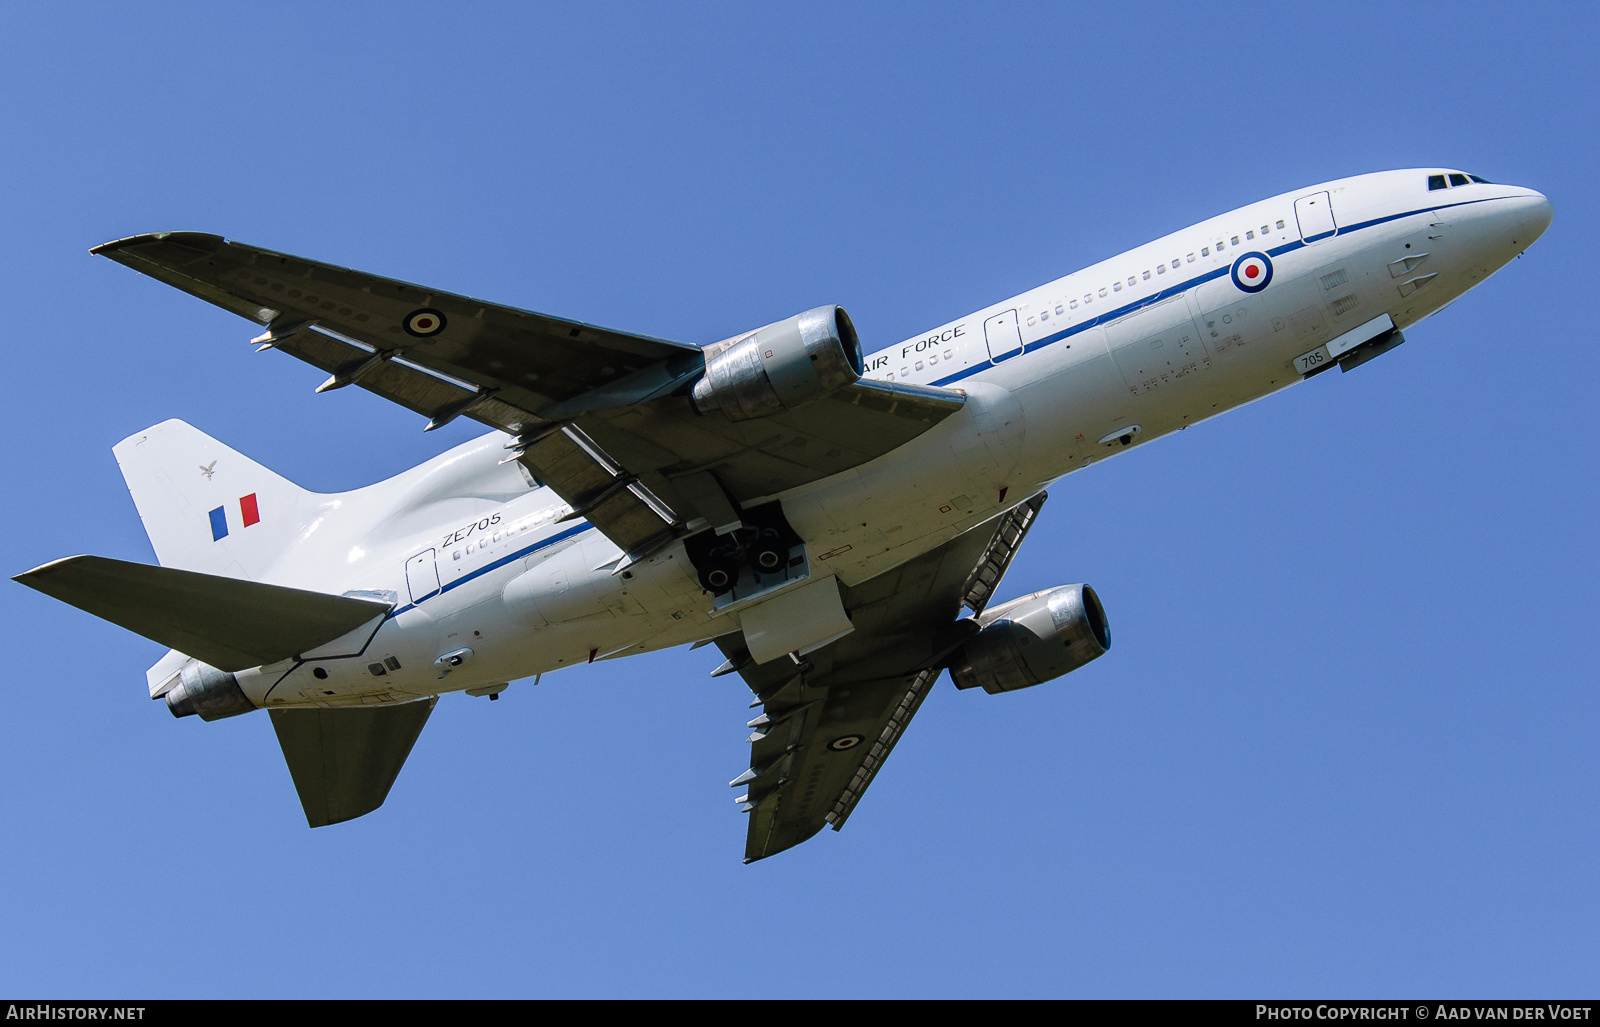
1345,744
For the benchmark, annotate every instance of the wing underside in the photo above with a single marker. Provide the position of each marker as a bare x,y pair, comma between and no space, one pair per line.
828,725
599,415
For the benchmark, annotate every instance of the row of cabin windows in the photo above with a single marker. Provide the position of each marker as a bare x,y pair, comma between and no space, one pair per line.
1161,269
525,525
1455,178
933,359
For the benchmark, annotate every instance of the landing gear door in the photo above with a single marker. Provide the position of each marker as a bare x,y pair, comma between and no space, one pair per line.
1315,214
422,576
1003,335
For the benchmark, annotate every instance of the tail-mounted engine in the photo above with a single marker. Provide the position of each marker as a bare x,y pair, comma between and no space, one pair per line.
205,690
781,366
1033,639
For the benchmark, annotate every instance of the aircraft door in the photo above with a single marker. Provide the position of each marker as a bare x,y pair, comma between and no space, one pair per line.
422,576
1003,335
1158,345
1315,214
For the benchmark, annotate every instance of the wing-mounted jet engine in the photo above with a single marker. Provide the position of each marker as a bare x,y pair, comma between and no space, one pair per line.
1032,640
780,367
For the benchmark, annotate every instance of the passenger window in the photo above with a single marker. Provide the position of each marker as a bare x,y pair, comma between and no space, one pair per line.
919,365
1161,269
947,354
1249,235
1102,293
1073,305
1280,227
1088,297
1190,258
1265,229
456,555
1205,251
1059,311
1435,182
1147,276
1131,280
1234,241
1458,179
904,371
1116,286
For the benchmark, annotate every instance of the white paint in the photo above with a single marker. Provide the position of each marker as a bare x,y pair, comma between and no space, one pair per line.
534,595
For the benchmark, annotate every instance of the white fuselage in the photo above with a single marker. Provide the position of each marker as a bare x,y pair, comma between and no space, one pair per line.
1058,377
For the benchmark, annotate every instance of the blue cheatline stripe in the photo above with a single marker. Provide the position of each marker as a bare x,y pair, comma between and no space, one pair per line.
544,543
219,524
1184,286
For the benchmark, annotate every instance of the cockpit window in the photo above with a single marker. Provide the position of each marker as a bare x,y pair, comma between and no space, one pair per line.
1458,179
1436,182
1480,180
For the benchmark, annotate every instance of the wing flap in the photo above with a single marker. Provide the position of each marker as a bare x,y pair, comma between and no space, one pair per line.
225,622
344,761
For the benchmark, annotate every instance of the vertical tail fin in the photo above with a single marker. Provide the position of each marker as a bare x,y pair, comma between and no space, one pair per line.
208,508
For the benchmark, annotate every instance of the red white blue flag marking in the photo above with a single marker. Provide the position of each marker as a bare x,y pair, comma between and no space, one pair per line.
249,513
1252,272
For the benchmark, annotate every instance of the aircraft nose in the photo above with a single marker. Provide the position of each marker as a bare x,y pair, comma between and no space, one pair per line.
1527,215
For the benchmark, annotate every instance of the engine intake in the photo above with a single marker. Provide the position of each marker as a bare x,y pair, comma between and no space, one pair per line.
781,366
1033,639
210,692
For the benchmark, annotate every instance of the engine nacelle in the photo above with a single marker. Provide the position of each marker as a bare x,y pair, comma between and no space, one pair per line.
1033,639
781,366
205,690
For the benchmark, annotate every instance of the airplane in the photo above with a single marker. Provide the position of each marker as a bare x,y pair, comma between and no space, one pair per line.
837,524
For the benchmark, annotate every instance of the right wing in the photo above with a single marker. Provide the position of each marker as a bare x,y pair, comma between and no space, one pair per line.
827,725
601,416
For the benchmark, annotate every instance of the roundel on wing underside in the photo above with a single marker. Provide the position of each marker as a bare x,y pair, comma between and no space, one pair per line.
424,323
1252,272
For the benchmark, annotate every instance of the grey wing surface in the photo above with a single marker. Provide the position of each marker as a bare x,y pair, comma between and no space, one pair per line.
599,415
827,725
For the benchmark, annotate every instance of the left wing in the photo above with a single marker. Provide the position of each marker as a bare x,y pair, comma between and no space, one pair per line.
827,725
599,415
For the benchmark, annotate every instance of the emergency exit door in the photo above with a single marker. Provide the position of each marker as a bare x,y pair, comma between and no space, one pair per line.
422,576
1003,335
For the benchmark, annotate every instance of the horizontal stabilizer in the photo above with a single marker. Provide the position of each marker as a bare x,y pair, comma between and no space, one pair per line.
227,623
344,761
